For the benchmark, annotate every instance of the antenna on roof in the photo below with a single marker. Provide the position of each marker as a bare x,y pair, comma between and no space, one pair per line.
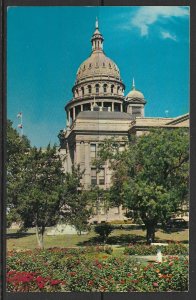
96,23
166,113
133,84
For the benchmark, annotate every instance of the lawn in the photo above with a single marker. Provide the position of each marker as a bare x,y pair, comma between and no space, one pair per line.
20,241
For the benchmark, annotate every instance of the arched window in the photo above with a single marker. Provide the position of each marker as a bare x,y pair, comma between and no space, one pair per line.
112,88
97,88
89,66
76,93
82,89
89,89
105,88
103,64
118,89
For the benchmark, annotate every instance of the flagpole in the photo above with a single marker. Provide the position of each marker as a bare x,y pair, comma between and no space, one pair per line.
19,115
22,126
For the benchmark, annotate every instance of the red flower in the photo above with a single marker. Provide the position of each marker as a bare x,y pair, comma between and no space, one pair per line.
155,284
90,282
55,282
72,273
171,263
122,281
39,279
129,274
41,285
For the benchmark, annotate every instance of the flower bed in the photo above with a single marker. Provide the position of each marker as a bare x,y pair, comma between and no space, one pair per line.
171,249
72,270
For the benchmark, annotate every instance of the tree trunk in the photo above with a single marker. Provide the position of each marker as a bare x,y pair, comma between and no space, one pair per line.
40,237
150,234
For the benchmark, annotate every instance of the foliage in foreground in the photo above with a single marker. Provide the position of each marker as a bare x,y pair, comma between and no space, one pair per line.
70,270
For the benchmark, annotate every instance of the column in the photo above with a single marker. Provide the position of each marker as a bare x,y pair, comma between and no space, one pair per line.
77,153
74,113
87,180
68,159
67,122
112,106
69,117
121,107
81,107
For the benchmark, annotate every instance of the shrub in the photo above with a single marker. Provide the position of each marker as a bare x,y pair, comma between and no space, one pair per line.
108,250
171,249
103,230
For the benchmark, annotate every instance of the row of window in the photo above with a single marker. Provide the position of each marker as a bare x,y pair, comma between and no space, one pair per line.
94,149
97,178
106,88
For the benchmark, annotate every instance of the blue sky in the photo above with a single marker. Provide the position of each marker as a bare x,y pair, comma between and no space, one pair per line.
46,45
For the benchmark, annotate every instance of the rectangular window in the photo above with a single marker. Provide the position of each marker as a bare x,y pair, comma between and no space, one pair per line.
102,177
93,151
93,176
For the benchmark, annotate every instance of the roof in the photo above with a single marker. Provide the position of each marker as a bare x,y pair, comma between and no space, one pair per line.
96,65
104,115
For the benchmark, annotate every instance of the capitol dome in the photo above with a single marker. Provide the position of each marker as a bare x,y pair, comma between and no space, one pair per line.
98,64
98,86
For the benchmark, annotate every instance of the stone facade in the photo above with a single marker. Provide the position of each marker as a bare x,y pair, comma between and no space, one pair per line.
98,111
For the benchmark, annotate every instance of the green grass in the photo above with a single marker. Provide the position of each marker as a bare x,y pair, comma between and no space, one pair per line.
20,241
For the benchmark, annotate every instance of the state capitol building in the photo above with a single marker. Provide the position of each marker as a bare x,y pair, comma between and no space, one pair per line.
99,110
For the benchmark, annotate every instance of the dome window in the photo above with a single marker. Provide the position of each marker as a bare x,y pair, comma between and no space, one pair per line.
97,66
105,88
84,67
89,89
82,89
97,88
110,65
103,64
112,89
118,89
90,66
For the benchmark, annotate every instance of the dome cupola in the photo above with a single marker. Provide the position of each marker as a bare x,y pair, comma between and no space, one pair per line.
135,102
98,66
135,95
97,39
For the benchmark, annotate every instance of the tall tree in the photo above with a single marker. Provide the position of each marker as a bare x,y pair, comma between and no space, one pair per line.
78,205
40,188
17,148
151,176
40,194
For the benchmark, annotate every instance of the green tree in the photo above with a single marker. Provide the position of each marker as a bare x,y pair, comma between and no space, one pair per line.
78,205
150,177
40,194
17,147
40,189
